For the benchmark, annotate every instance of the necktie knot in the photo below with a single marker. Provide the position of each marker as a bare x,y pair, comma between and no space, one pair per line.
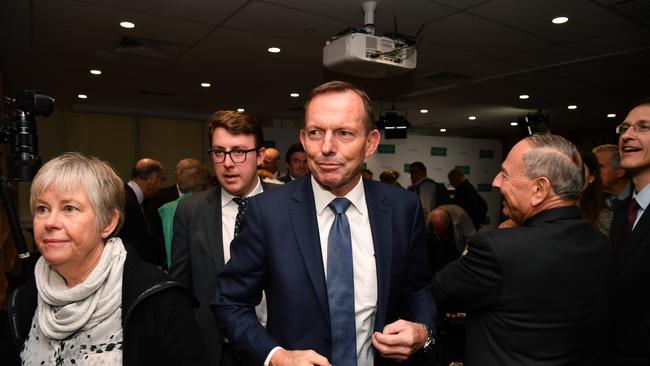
339,205
241,202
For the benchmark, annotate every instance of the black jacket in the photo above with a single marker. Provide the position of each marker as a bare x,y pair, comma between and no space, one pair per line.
157,318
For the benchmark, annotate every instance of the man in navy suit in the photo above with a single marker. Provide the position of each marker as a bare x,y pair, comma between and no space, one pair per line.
284,242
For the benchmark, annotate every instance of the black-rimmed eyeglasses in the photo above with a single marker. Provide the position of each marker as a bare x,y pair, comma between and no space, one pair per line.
639,127
236,155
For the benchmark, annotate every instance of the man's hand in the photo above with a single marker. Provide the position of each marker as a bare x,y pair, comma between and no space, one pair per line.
283,357
400,339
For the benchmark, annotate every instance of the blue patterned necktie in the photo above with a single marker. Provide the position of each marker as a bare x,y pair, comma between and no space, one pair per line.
242,203
340,287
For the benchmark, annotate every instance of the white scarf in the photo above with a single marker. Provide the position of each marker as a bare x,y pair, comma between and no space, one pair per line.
63,311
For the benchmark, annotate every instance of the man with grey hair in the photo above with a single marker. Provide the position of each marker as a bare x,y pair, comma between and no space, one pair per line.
540,292
616,183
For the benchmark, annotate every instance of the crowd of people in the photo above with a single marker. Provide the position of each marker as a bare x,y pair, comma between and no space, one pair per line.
325,265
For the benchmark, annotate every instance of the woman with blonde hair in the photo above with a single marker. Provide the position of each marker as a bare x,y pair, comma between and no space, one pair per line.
92,301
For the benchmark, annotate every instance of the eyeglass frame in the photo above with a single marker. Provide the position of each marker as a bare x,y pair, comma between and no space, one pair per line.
229,153
636,127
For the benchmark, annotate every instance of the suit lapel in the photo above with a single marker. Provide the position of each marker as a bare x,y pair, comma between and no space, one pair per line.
640,231
212,215
380,218
302,212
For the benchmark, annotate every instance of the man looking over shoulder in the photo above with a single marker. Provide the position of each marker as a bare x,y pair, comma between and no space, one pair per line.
538,293
342,259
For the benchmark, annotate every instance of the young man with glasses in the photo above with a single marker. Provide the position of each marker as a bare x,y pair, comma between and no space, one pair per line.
631,236
206,223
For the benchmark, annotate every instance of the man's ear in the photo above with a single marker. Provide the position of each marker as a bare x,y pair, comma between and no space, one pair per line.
620,173
541,191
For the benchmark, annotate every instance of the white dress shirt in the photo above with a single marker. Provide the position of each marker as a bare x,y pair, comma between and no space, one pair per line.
363,261
643,199
138,192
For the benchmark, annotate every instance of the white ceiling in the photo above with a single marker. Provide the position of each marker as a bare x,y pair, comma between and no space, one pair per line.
474,58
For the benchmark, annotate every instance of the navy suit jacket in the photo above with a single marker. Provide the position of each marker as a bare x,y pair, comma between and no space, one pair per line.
279,251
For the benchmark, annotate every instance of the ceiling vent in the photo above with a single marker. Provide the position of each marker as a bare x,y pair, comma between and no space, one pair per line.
153,93
443,78
149,48
636,11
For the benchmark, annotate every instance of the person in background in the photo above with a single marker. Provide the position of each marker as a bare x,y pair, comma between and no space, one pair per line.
592,200
390,176
431,193
296,160
93,301
467,197
615,180
271,162
146,178
190,178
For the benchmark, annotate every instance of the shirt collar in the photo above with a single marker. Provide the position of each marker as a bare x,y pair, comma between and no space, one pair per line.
643,197
226,197
138,192
322,197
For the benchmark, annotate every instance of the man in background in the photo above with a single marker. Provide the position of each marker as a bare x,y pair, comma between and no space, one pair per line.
431,193
146,178
296,160
615,181
467,197
271,162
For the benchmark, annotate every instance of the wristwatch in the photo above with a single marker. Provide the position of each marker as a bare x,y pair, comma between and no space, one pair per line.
431,340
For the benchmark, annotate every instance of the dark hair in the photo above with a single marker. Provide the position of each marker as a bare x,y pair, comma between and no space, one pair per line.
236,123
145,170
297,147
455,173
337,86
418,165
592,200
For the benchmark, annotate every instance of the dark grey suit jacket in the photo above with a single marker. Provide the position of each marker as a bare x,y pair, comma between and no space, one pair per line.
631,297
539,294
197,257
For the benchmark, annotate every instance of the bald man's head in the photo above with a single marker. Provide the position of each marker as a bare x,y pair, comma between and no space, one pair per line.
148,174
271,160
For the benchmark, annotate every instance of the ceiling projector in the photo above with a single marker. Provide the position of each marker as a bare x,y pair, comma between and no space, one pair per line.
361,53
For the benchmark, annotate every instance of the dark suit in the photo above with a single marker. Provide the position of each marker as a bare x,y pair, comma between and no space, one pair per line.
135,230
471,201
197,257
279,251
150,207
632,297
285,178
538,294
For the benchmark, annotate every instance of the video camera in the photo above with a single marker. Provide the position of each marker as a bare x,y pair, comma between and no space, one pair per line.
19,131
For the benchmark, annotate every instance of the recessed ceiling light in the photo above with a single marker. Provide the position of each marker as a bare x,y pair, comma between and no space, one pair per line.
240,110
82,96
294,95
514,123
423,111
443,130
524,96
572,106
471,118
127,25
611,115
274,50
560,20
206,85
96,72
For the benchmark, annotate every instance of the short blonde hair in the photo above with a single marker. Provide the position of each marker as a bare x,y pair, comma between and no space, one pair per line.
72,170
